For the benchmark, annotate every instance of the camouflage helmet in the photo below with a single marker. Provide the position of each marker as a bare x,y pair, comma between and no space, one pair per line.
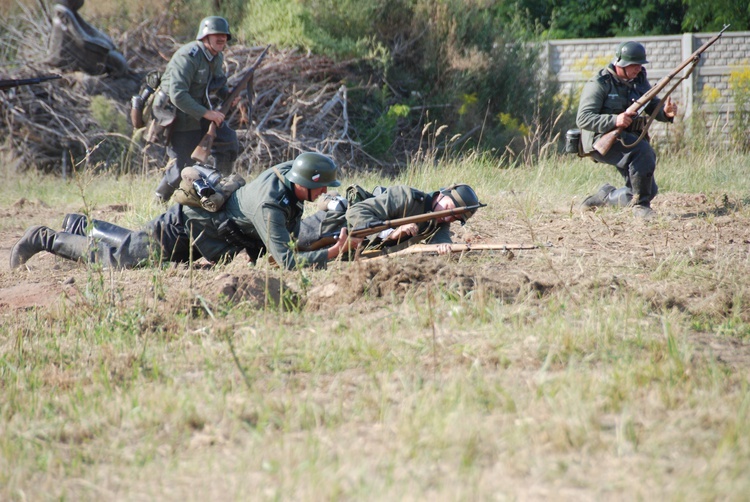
628,53
462,196
313,170
212,25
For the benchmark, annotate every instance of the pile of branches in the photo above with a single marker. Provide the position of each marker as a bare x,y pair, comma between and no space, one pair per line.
299,104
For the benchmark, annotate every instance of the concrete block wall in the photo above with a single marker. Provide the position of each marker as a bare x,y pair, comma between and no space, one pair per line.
574,61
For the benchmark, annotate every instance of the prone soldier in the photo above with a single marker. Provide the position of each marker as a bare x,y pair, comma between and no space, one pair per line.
263,215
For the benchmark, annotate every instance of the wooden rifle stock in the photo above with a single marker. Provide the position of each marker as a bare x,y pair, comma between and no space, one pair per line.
378,226
605,141
203,150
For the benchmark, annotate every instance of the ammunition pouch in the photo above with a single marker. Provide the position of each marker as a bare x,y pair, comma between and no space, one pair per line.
162,118
232,234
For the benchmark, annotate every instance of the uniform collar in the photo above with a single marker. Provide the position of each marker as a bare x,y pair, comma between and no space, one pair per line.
205,50
613,72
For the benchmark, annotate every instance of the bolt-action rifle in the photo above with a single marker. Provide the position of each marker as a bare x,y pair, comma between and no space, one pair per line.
375,227
9,84
605,141
203,150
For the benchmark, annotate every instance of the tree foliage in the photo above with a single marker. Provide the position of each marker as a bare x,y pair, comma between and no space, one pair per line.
593,18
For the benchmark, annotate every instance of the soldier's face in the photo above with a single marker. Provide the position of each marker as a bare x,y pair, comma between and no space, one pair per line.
309,194
441,204
216,42
628,72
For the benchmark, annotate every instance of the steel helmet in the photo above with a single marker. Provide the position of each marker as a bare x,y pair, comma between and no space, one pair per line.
462,196
313,170
628,53
212,25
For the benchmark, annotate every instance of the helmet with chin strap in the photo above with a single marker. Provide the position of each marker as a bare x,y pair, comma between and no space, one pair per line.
313,170
462,195
628,53
213,25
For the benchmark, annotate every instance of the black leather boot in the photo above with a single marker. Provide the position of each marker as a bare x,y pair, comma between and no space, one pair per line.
224,164
109,233
75,223
642,195
599,199
620,197
41,238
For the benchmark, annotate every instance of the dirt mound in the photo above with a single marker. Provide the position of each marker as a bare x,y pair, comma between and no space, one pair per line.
394,278
257,289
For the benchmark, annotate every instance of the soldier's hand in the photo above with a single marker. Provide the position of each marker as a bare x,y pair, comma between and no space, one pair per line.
624,120
344,243
670,107
214,116
403,231
444,248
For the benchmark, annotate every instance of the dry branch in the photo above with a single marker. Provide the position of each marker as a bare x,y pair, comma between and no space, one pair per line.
300,104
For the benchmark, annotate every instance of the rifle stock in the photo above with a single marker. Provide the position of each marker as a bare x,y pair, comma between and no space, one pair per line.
605,141
454,248
203,150
378,226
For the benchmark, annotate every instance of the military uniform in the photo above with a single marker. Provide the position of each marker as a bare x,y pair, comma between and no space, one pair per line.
399,202
603,98
263,214
190,76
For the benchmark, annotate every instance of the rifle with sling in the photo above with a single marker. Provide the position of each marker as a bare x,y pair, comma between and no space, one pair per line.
605,141
203,150
375,227
9,84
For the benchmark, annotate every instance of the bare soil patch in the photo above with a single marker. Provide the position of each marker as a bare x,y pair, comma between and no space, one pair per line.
602,253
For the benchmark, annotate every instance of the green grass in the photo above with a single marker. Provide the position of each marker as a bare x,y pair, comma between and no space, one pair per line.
597,389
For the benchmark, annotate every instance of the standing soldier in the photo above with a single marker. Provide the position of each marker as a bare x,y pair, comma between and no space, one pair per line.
195,71
604,101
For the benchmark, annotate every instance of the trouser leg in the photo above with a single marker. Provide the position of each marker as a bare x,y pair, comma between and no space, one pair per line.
180,151
225,149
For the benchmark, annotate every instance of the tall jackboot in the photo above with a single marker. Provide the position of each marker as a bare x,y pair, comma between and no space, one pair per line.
169,182
620,197
224,164
41,238
75,223
642,194
71,247
599,199
109,233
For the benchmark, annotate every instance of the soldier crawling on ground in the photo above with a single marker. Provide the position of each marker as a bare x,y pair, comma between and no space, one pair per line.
262,216
360,209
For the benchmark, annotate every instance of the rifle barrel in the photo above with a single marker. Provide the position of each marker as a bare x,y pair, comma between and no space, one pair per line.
9,84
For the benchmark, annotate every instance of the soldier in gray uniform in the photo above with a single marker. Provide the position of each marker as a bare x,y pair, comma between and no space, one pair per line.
604,101
261,216
401,201
195,71
266,214
358,211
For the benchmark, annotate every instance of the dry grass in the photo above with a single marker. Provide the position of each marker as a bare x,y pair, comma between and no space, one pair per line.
612,365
